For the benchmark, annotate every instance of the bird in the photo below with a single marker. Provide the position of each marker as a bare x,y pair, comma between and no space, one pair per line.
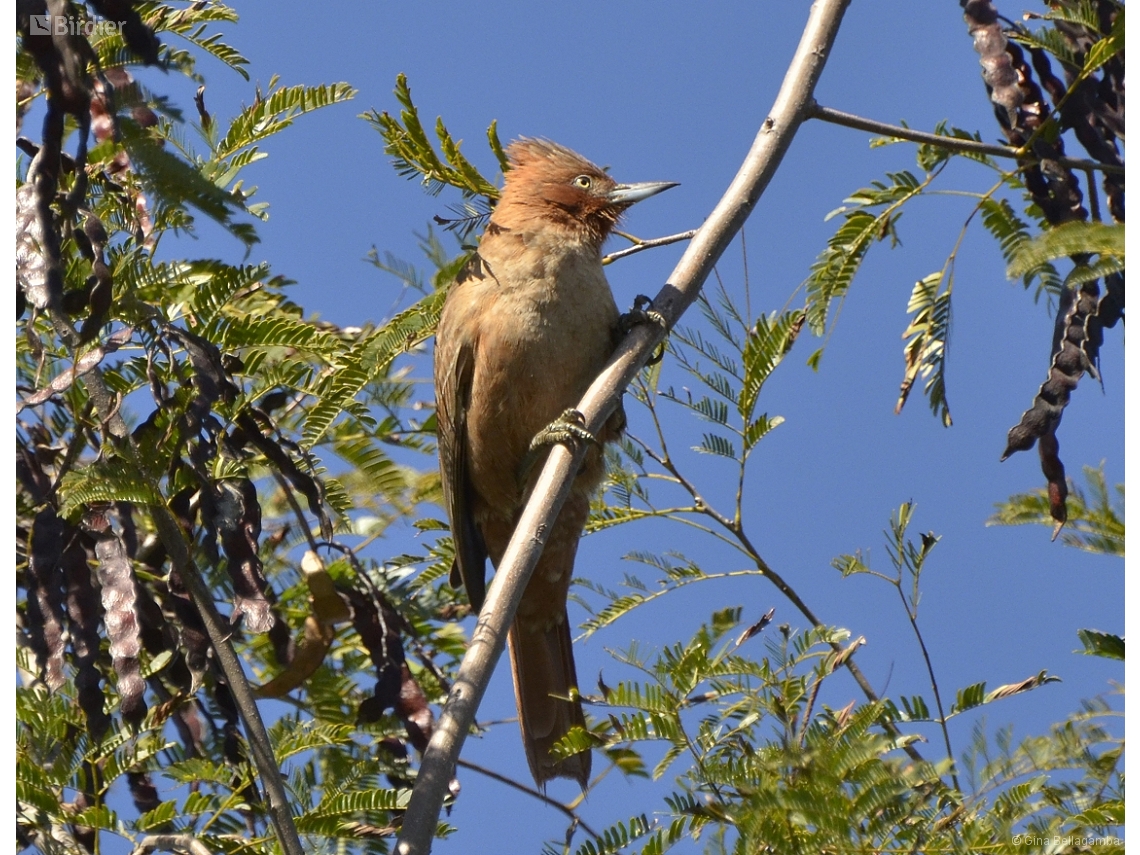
527,325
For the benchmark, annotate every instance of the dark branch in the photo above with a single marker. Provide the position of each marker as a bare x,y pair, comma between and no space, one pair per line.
848,120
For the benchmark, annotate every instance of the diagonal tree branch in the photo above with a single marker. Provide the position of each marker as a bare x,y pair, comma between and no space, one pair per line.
792,107
849,120
575,820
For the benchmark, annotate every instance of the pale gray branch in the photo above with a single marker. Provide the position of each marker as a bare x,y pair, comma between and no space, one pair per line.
640,245
791,108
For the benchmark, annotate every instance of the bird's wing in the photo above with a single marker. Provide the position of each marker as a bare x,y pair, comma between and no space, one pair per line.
454,371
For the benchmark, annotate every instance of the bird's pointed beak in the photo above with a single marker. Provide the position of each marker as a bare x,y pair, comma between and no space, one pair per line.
627,194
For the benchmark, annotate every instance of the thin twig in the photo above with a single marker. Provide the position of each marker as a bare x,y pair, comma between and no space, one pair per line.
744,544
791,108
1093,197
530,791
410,634
933,684
298,512
738,531
280,813
640,245
805,719
849,120
747,279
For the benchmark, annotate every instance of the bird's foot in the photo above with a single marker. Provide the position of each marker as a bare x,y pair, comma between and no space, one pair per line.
569,428
644,313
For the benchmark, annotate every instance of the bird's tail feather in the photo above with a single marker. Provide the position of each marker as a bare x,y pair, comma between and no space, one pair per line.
543,666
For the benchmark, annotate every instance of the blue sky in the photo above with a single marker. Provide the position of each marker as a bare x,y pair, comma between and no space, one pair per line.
672,91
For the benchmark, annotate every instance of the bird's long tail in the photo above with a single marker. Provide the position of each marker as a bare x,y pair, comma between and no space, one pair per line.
542,662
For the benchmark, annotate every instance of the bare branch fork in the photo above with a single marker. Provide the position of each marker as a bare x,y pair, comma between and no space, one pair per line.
642,245
792,107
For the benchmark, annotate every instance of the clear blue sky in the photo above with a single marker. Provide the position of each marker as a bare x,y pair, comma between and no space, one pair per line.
677,91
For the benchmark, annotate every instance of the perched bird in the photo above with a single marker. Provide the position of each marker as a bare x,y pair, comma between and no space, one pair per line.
527,326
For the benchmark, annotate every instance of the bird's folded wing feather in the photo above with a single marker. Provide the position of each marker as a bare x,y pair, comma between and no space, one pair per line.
454,370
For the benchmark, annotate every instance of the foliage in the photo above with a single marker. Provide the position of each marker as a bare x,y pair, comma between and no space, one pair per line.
407,144
870,214
1083,40
769,767
1074,239
197,429
1095,524
761,761
927,339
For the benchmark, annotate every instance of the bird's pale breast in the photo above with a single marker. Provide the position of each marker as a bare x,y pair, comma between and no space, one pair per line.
545,330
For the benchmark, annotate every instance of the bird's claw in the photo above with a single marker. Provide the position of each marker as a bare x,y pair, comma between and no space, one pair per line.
569,427
644,313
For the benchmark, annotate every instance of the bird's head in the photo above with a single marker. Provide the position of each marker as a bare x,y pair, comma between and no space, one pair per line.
551,185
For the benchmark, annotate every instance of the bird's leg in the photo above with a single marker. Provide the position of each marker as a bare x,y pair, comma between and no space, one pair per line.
644,313
570,427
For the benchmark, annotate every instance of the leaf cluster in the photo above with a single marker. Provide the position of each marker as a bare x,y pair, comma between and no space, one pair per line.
769,766
413,155
1085,38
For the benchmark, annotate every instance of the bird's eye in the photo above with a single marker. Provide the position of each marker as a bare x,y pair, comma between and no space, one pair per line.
582,181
